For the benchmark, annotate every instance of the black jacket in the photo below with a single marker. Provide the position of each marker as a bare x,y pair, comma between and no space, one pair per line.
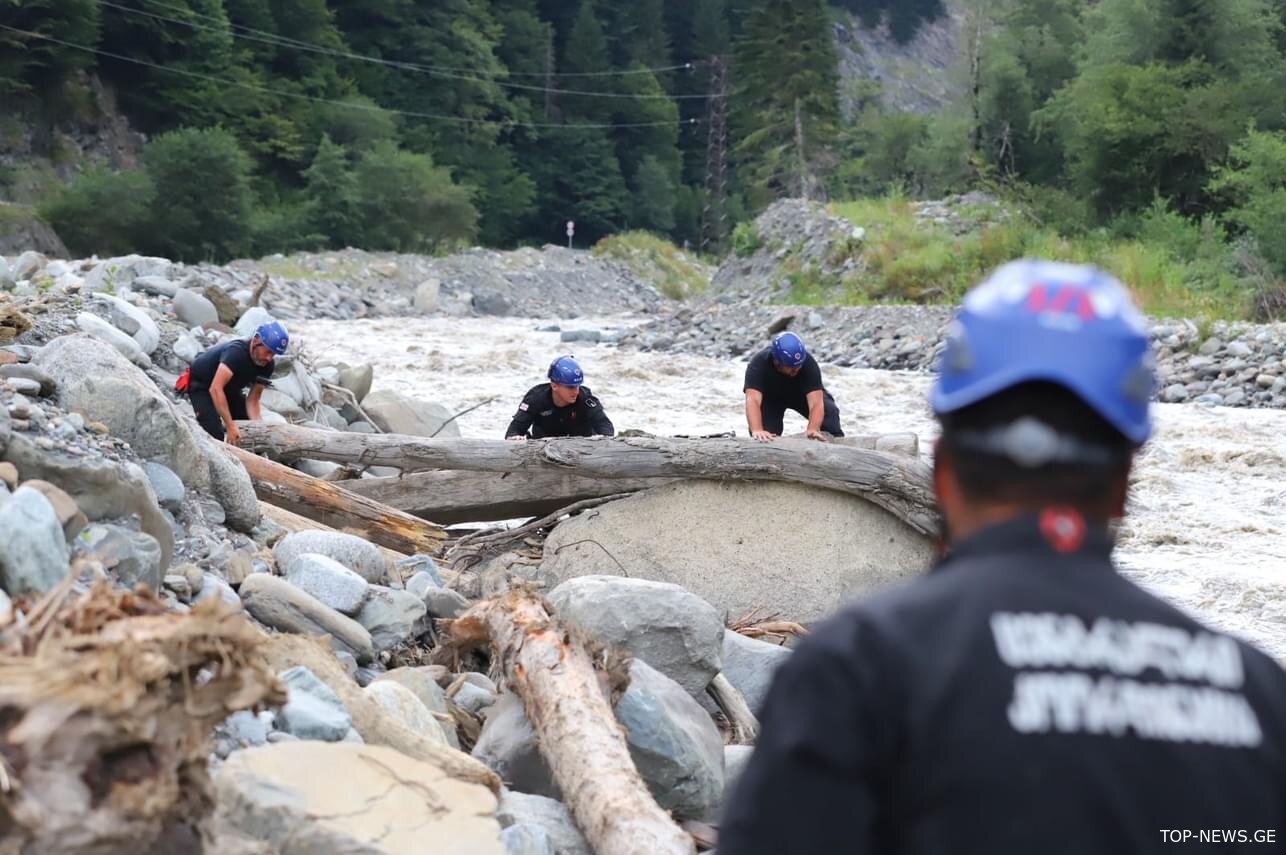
538,415
1021,698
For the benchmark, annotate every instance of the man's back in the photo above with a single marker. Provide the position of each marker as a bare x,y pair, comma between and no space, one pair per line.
1022,698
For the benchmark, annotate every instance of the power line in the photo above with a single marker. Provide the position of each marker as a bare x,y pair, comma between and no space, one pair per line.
686,66
352,105
276,41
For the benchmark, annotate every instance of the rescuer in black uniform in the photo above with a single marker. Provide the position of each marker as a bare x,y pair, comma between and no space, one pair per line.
226,382
1023,697
561,407
785,376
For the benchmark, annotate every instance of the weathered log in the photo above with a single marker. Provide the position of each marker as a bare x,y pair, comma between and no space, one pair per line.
745,727
903,486
453,497
333,506
577,732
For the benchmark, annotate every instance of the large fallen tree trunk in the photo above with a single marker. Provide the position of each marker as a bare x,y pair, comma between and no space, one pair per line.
453,497
574,724
901,485
339,509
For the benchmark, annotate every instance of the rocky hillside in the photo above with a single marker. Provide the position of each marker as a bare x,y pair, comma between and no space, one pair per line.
921,76
1233,364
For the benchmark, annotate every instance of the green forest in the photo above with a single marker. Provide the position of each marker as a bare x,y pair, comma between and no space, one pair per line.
279,125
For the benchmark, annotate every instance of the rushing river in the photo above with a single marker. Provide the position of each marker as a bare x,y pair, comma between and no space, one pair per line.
1207,529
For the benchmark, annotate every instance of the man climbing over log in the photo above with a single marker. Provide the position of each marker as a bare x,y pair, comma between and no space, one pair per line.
1024,696
562,407
226,382
784,376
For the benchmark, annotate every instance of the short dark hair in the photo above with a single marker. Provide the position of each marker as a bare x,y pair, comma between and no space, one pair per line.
986,476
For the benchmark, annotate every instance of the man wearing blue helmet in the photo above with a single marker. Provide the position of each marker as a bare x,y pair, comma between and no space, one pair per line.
784,376
1022,697
226,382
562,407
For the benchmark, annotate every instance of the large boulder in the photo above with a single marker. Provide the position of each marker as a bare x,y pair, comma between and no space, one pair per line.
306,797
194,309
102,489
671,629
97,382
393,412
230,484
280,605
120,273
360,556
100,329
312,710
524,809
391,616
329,581
800,550
673,741
254,317
132,320
402,704
750,664
33,549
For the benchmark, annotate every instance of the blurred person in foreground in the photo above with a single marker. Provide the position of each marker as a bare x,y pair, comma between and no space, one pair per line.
1023,696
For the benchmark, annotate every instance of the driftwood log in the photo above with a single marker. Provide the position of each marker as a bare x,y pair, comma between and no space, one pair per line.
337,508
901,485
454,497
576,729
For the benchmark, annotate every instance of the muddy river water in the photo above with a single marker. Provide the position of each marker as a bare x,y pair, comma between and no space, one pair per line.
1208,524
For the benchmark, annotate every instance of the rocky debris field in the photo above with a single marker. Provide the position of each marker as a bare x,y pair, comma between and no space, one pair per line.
105,480
1228,364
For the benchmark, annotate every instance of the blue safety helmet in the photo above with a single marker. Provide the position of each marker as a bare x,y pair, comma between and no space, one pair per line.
1069,324
788,349
565,371
274,337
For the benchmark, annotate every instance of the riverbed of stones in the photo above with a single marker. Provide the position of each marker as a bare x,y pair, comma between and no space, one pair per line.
104,476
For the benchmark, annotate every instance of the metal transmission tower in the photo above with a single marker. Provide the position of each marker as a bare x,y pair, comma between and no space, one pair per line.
714,215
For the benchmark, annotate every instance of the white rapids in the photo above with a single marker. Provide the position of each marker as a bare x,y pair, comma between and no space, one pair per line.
1206,530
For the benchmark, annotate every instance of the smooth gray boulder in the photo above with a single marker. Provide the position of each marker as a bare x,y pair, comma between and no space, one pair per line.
194,309
401,703
675,745
167,486
843,546
672,740
46,384
527,840
671,629
100,329
33,548
97,382
102,489
157,286
750,664
312,710
133,321
253,318
519,810
360,556
508,745
391,616
329,581
278,604
394,412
